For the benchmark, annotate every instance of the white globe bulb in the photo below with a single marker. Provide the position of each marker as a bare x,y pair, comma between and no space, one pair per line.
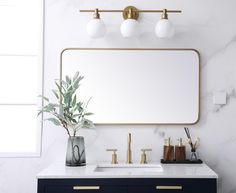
96,28
129,28
164,29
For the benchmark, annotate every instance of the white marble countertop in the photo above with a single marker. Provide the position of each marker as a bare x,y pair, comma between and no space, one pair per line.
59,170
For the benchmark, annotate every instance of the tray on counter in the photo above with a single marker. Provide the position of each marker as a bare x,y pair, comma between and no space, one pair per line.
187,161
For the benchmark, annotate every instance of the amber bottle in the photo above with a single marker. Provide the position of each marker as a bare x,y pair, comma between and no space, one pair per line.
180,151
168,152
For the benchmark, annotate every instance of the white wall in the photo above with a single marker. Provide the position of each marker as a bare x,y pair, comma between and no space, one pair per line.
206,25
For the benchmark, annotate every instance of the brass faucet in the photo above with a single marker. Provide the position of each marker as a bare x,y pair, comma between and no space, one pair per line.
114,156
144,156
129,152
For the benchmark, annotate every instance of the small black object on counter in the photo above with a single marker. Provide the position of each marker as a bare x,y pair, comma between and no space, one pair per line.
187,161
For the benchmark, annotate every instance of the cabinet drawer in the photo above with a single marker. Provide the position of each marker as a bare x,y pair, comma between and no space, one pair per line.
84,189
175,186
154,189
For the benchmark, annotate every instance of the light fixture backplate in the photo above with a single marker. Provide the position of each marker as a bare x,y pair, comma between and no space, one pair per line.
135,12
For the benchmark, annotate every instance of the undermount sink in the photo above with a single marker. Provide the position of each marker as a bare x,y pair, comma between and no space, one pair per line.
129,168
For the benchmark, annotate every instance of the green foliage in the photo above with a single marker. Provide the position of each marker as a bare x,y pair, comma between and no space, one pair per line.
68,112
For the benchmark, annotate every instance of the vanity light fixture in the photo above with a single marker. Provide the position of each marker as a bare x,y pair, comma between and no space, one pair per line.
130,26
164,28
96,28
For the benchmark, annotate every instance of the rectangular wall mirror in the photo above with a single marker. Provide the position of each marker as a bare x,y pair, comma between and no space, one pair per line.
137,86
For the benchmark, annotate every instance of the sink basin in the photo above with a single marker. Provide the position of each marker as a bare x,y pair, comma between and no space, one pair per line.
127,168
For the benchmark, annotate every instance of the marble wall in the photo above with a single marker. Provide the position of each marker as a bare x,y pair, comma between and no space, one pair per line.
206,25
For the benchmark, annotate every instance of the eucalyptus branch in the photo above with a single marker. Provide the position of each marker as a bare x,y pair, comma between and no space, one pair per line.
68,112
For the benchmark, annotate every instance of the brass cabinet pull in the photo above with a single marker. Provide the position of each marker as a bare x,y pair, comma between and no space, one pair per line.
169,187
86,187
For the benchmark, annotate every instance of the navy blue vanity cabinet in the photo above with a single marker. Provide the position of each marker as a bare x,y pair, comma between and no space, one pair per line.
129,185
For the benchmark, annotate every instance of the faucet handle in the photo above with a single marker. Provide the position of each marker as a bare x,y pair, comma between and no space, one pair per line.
114,156
144,156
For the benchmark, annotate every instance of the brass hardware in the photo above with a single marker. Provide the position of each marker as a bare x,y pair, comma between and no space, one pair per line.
129,152
168,141
137,10
114,156
164,14
180,141
96,14
169,187
130,12
86,187
144,156
140,49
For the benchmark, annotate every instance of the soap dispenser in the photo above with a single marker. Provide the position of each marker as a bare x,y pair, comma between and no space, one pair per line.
180,152
168,152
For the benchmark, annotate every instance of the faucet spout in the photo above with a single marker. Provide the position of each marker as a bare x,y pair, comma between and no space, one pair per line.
129,152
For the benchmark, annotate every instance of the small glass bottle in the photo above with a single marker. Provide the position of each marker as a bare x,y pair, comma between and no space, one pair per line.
193,155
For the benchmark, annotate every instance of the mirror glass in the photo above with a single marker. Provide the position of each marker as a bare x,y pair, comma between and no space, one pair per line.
137,86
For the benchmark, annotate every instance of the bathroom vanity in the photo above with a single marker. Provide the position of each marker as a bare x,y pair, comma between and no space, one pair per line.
128,178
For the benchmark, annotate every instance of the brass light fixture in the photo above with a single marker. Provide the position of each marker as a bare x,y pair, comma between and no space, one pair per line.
164,27
96,14
130,25
130,12
96,28
164,14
